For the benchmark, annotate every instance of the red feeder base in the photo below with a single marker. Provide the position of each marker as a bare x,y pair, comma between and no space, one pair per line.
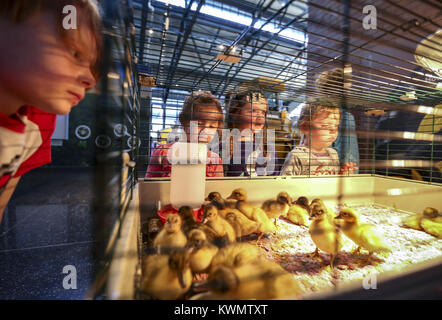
168,209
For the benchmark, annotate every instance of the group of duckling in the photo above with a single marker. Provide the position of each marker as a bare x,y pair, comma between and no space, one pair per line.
209,257
234,270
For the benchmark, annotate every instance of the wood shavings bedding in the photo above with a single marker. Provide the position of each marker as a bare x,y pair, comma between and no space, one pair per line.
292,244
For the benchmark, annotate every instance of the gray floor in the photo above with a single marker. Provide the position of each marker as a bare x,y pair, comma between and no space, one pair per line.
47,226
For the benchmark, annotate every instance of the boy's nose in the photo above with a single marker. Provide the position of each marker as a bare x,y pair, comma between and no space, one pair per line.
87,80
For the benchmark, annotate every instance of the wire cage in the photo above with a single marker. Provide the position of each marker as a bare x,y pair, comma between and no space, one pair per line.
282,67
117,112
186,45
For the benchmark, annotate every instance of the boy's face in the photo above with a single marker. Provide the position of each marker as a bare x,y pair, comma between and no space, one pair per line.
323,130
208,119
37,67
252,116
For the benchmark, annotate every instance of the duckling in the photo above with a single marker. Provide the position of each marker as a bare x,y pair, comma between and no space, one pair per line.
202,253
167,277
188,219
329,212
150,230
221,203
237,254
240,195
432,222
414,221
364,235
276,208
261,280
324,234
252,212
299,212
189,223
315,200
171,235
242,225
217,223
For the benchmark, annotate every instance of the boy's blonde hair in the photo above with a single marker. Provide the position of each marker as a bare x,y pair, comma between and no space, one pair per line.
88,13
309,111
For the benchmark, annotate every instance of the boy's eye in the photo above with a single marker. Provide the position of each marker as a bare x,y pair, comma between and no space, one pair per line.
75,53
78,56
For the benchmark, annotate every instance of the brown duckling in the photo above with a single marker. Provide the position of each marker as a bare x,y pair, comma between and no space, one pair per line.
221,203
190,223
276,208
171,235
188,219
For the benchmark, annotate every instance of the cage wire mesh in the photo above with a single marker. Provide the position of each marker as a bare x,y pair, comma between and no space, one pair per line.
388,90
282,54
117,115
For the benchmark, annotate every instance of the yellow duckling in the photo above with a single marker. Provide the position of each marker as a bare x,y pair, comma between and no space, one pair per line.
432,222
241,224
167,277
237,254
202,251
240,195
171,235
324,234
413,222
219,224
276,208
261,280
329,212
299,212
220,202
363,234
252,212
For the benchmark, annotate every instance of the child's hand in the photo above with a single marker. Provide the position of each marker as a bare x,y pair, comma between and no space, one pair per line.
348,168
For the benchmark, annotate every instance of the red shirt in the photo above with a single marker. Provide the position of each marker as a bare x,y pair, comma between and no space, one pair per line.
25,141
160,167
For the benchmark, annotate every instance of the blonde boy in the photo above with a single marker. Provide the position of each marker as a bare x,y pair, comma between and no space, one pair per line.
45,70
318,126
